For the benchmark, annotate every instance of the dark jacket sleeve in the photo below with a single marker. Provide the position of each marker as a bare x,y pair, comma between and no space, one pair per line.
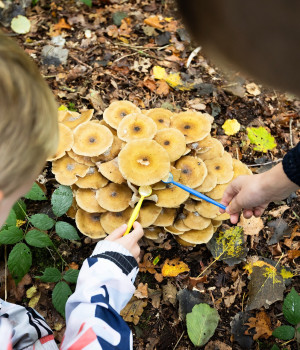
291,164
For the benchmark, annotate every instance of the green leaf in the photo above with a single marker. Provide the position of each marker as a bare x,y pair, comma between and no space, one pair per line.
291,307
38,239
11,219
36,193
275,347
42,221
60,295
51,274
284,332
61,200
87,2
202,323
19,261
71,276
263,140
118,17
65,230
11,235
20,209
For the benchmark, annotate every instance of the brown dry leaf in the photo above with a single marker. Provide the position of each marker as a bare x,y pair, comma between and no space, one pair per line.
279,211
153,21
163,88
147,265
262,325
253,89
150,84
293,254
57,28
251,226
73,266
194,281
154,295
174,267
169,293
289,241
112,31
159,277
133,310
142,291
217,345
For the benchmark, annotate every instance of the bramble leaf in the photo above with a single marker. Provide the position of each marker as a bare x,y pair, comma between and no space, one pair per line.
61,200
38,239
11,235
20,209
60,295
11,219
284,332
263,140
65,230
19,261
51,274
291,307
71,276
42,221
36,193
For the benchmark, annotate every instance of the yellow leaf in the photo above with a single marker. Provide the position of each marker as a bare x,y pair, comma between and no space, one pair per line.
286,274
263,140
30,292
125,40
34,300
259,263
58,326
173,268
20,223
174,79
231,127
62,108
168,19
159,72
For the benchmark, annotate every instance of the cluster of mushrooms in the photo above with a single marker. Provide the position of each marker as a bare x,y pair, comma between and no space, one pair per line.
105,162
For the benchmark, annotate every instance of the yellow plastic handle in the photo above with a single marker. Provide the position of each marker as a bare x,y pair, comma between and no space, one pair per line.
134,215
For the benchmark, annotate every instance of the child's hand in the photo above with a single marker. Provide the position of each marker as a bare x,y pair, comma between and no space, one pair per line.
130,241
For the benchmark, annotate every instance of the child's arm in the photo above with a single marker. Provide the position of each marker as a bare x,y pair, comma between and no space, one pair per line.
252,194
104,286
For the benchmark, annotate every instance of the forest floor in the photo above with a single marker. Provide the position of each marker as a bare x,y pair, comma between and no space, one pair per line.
107,52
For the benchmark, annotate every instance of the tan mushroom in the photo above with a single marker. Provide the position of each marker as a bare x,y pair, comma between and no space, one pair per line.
216,223
89,224
194,126
66,141
217,192
61,115
86,200
91,139
176,176
111,171
67,169
117,110
207,210
93,180
161,117
210,148
193,171
221,167
173,230
144,162
183,242
71,213
173,141
73,119
136,126
80,159
171,197
198,236
110,220
148,214
190,205
114,197
222,217
180,225
166,217
103,122
153,233
195,221
209,183
240,168
111,153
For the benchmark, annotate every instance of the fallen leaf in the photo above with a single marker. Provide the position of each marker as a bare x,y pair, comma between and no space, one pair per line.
263,140
159,277
146,265
231,127
112,31
281,229
251,226
150,84
133,310
262,325
293,254
153,21
34,300
279,211
163,88
169,293
174,267
253,89
194,281
142,291
238,328
228,246
96,100
187,299
20,24
30,292
57,28
73,266
155,296
217,345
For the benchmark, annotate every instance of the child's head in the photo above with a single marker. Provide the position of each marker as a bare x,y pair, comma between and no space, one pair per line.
260,37
28,123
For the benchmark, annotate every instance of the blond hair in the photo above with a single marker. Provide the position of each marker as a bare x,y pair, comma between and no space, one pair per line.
28,117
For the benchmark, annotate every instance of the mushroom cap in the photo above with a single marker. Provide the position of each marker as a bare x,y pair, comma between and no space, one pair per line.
221,167
193,171
103,122
161,117
117,110
86,200
173,141
183,242
112,151
110,220
71,213
111,171
221,217
207,210
67,169
173,230
89,224
240,168
144,162
216,223
180,225
80,159
93,179
195,221
166,217
114,197
91,139
61,115
198,236
148,214
217,192
152,232
171,197
194,126
66,141
136,126
209,183
190,205
162,185
210,148
73,119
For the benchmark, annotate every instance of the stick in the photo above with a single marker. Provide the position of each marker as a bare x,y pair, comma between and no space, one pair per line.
267,163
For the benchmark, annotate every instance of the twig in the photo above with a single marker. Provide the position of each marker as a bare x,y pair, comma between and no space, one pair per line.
79,61
291,132
48,76
267,163
120,58
67,89
193,54
178,341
